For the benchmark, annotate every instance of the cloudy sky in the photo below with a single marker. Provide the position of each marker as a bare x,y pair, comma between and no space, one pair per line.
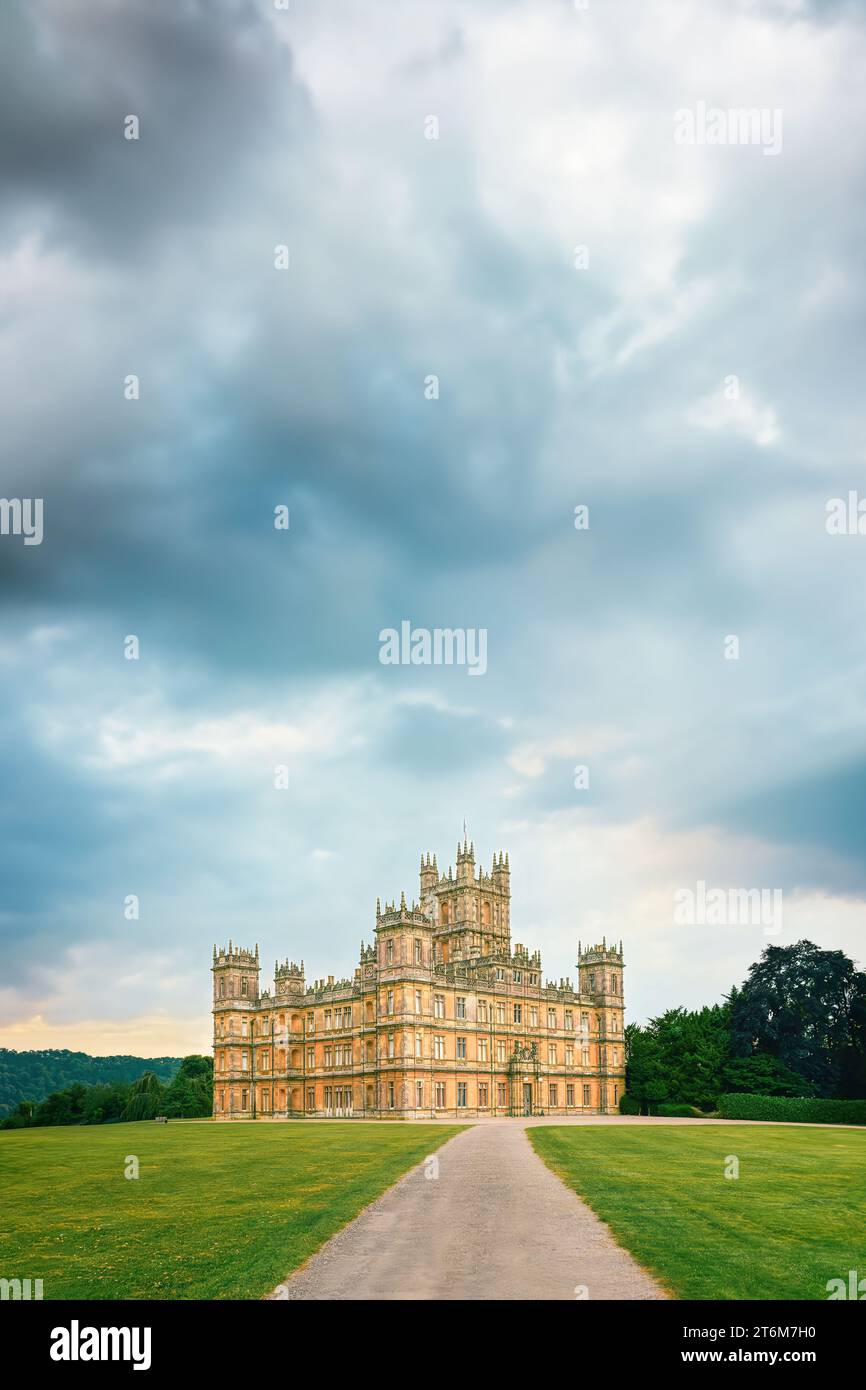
694,377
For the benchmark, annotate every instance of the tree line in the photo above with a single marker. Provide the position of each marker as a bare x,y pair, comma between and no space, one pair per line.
33,1075
796,1027
188,1095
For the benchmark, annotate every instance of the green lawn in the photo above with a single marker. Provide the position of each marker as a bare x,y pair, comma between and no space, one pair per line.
219,1210
794,1218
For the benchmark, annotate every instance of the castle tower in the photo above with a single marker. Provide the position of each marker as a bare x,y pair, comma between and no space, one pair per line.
288,981
235,975
403,938
600,973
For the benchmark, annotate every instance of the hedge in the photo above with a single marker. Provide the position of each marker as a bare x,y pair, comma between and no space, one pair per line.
628,1105
815,1112
669,1111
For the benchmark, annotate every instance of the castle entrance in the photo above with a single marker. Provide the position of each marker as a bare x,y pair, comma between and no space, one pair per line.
524,1074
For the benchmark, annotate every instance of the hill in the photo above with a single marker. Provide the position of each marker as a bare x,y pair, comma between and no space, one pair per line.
34,1075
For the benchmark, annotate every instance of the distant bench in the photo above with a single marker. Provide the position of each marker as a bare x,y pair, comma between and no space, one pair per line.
160,1119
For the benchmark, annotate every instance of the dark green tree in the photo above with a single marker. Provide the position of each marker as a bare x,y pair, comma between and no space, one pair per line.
797,1004
145,1098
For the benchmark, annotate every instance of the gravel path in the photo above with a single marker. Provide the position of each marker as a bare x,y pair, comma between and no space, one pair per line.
494,1224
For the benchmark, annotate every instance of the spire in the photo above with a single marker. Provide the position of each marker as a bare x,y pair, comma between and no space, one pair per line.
402,902
378,908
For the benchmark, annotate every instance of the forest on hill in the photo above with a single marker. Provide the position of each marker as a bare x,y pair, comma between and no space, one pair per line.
36,1074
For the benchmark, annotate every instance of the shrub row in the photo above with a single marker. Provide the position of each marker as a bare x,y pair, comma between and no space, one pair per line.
816,1112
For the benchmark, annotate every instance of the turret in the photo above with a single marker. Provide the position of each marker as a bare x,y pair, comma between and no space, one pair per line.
465,863
235,974
429,875
600,971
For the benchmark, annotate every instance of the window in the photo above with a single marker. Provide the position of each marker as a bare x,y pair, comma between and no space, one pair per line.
329,1057
390,1045
533,1017
243,1061
533,979
222,987
327,1019
482,1010
616,1095
569,1018
390,1095
500,1093
584,1023
311,1057
586,1099
592,982
569,1054
419,1094
389,1008
311,1099
551,1018
615,1057
461,1095
569,1095
311,1023
461,1049
440,1095
500,973
554,1094
500,1013
584,1056
417,1001
439,1047
439,1005
244,983
389,955
551,1054
243,1027
245,1100
500,1049
419,1045
518,976
482,1049
222,1100
483,1102
518,1013
417,951
461,1008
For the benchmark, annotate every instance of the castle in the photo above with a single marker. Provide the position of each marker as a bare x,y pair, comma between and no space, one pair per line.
442,1017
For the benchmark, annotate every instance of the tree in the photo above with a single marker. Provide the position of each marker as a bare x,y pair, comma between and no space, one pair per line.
145,1098
796,1005
644,1076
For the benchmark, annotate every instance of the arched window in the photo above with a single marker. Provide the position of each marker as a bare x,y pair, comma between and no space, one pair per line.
222,987
485,914
446,914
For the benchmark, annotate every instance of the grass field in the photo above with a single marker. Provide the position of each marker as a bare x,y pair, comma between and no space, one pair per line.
219,1211
794,1218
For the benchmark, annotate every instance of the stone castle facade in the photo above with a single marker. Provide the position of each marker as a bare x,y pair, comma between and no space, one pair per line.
441,1017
